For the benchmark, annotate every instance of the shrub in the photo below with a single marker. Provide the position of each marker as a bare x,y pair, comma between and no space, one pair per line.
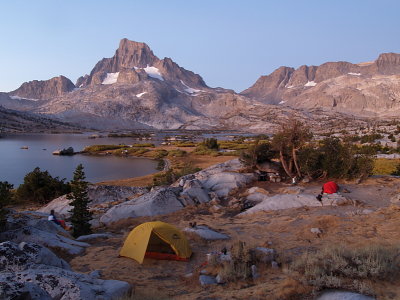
160,165
5,199
258,153
41,187
340,267
397,171
164,178
211,143
370,138
159,154
186,169
239,267
177,153
335,159
170,176
203,150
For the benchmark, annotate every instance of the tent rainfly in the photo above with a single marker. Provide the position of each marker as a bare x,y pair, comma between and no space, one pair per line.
157,240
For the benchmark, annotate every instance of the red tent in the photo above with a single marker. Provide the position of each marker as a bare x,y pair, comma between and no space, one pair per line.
330,187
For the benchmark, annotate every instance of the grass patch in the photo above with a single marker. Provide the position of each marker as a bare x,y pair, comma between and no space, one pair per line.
144,145
185,144
131,151
159,154
177,153
98,148
344,268
384,166
232,145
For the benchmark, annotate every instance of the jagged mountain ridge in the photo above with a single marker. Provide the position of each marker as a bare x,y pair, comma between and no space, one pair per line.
364,89
136,89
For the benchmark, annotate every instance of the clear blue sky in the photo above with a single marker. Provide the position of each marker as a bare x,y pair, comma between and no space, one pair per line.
230,43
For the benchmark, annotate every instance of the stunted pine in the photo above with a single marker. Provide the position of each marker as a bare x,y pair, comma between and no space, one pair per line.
288,141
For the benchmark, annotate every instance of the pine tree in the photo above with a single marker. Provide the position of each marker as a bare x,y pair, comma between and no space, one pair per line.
80,212
5,199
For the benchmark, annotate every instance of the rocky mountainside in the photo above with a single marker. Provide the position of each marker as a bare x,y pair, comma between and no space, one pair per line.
135,89
371,88
44,89
16,121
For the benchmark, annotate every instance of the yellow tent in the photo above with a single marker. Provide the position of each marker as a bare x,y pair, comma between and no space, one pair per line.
156,240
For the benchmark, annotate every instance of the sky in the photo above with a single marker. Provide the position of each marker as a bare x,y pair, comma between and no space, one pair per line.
230,43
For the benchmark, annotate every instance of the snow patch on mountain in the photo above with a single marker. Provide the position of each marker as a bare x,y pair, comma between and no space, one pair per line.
141,94
110,78
354,74
21,98
153,72
310,83
190,90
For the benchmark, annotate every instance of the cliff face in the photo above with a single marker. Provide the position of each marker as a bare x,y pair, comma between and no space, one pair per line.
44,89
139,61
355,88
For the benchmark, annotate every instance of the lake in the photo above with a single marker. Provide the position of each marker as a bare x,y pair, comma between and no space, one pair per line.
15,162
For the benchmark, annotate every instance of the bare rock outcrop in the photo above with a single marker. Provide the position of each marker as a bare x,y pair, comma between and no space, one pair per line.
44,89
157,202
101,198
31,271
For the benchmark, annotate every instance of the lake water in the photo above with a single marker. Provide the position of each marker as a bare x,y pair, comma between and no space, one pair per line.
15,162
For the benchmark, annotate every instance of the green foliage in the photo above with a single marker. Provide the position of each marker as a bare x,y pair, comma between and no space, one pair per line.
164,178
41,187
98,148
160,165
177,153
342,267
131,151
144,145
391,137
335,159
80,214
159,154
5,199
258,153
397,171
211,143
288,141
186,169
234,145
170,176
370,138
184,144
203,150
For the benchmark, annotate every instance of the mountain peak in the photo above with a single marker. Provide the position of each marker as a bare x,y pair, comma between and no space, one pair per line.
132,54
44,89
